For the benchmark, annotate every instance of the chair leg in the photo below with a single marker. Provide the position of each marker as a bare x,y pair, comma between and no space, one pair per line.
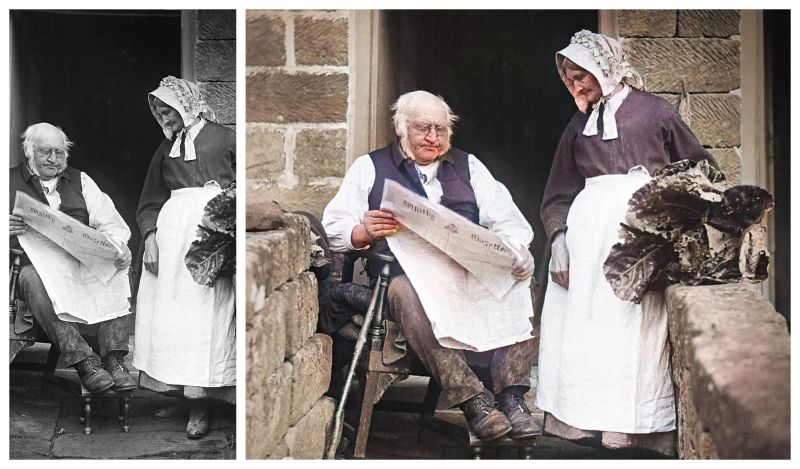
124,413
525,452
87,414
365,416
476,452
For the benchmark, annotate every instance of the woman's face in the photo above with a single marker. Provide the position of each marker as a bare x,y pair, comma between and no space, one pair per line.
583,86
169,117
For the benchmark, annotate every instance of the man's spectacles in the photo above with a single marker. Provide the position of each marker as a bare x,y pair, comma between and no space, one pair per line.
425,129
45,152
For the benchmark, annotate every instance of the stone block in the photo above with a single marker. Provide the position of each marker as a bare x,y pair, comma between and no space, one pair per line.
729,162
221,96
319,41
216,24
309,437
704,65
312,375
301,312
731,367
266,39
320,153
297,97
265,156
267,414
266,340
261,212
215,60
708,23
646,23
716,119
276,256
309,198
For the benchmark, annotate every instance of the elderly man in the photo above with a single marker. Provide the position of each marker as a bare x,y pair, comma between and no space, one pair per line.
45,177
422,160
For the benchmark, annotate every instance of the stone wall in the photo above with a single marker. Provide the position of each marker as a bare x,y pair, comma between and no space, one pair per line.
297,105
694,56
215,62
731,367
288,365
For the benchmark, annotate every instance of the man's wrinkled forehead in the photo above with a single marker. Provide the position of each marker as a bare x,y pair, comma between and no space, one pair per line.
49,137
429,112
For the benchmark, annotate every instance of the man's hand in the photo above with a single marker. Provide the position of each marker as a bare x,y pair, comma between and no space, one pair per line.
376,224
150,258
16,225
559,260
523,265
123,259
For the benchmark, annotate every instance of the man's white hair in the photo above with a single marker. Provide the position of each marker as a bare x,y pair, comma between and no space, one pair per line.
407,106
32,133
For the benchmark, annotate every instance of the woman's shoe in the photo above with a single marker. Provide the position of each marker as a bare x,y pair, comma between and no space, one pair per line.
199,420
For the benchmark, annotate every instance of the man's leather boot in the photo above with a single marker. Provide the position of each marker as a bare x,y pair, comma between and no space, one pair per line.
114,363
94,378
512,404
485,421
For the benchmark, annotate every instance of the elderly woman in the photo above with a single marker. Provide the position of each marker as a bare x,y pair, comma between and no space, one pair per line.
185,332
603,364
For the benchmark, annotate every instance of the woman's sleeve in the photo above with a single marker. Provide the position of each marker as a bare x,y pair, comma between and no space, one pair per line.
682,144
563,184
154,194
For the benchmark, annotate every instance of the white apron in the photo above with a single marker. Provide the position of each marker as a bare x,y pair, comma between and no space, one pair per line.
185,332
603,362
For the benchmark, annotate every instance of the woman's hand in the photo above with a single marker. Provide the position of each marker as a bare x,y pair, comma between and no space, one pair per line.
16,225
376,224
150,258
559,260
123,259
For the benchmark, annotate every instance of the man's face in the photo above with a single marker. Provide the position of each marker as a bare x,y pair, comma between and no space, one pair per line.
49,154
583,86
428,135
170,118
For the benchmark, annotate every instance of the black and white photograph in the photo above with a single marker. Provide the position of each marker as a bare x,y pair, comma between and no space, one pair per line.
122,203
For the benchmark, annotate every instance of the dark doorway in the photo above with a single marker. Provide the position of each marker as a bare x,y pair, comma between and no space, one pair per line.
778,69
497,71
89,72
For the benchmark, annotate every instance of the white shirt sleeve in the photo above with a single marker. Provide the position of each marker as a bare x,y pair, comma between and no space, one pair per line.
497,211
345,211
103,216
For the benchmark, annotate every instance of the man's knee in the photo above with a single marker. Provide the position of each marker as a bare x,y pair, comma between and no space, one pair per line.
29,282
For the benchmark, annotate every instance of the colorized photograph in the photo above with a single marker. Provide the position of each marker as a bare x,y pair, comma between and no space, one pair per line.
533,234
122,224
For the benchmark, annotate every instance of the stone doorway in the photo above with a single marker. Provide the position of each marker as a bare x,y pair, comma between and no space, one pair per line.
89,72
497,71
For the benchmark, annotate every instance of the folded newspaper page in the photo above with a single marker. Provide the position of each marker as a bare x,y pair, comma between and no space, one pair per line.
475,248
86,244
461,273
78,293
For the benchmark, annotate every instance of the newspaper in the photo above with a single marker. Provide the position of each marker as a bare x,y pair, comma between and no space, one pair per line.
461,273
86,244
75,264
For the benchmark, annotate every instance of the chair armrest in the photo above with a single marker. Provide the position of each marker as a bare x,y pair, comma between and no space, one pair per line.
371,256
